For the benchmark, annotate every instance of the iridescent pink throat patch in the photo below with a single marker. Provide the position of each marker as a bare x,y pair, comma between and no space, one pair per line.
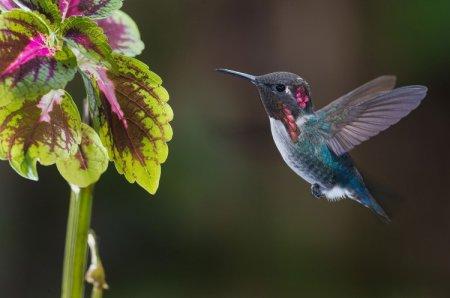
301,95
289,122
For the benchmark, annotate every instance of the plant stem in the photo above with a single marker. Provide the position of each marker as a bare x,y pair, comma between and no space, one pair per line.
96,273
75,255
97,293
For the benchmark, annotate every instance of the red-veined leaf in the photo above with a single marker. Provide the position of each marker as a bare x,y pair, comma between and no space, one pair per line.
88,163
123,34
30,64
96,9
45,129
86,39
134,119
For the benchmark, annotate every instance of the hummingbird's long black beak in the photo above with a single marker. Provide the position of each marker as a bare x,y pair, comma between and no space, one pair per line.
238,74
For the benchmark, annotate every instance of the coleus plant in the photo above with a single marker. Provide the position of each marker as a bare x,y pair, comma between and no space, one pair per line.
43,45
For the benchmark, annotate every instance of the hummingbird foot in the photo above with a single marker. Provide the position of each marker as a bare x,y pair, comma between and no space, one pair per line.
316,191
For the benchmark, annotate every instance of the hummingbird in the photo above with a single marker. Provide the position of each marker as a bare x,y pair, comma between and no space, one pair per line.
315,144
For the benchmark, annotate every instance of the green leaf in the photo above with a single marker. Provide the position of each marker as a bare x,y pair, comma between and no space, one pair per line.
89,163
30,64
93,100
95,9
45,7
44,129
123,34
85,37
134,119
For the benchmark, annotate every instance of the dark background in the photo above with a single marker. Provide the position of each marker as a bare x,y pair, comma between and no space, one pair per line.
230,219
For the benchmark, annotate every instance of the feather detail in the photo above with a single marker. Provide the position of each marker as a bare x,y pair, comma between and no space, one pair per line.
289,123
360,115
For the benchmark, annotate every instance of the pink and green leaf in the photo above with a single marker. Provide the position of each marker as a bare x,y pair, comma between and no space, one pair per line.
45,129
95,9
123,34
85,37
45,7
6,5
90,161
30,65
134,119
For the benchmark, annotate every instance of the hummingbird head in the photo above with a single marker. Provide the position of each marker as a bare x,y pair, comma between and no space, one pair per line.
283,94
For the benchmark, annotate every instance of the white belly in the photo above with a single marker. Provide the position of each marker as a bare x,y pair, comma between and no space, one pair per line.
287,150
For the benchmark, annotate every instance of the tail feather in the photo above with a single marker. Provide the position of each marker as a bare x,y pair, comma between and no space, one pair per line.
369,201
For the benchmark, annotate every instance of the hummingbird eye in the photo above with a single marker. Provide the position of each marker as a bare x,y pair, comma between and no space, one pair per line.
280,87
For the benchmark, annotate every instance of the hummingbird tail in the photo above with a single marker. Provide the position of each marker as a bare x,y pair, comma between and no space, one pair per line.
369,201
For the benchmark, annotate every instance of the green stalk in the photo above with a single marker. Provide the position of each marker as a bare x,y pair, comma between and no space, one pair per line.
75,255
97,293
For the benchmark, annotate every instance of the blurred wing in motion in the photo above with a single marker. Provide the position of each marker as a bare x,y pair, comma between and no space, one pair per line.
380,84
366,111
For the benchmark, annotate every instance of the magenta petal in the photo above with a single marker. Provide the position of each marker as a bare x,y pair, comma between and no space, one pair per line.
109,90
81,39
47,103
115,31
123,34
29,65
6,5
69,8
91,8
34,49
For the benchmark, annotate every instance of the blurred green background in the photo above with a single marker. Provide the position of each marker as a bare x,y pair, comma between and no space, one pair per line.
230,219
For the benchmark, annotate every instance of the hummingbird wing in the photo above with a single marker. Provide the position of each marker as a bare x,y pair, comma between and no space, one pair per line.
365,112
